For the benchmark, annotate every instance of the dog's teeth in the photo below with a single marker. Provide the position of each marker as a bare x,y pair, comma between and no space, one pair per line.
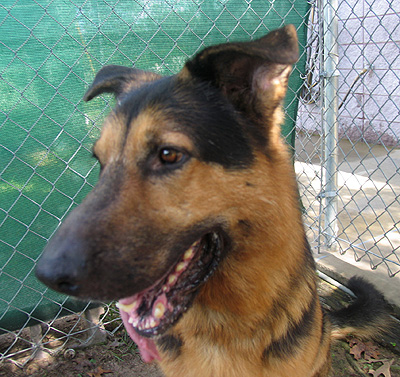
188,254
172,279
159,310
133,321
180,267
153,323
127,308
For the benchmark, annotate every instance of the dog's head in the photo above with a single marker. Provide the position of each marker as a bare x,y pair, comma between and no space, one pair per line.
178,158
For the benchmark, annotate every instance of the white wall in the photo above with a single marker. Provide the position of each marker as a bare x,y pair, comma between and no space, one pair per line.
369,38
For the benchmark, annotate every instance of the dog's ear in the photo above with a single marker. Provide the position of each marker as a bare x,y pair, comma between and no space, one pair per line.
118,80
252,75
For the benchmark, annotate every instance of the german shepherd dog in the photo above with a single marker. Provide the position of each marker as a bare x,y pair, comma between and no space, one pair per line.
195,225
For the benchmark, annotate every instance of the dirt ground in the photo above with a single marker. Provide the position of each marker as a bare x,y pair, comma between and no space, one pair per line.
117,356
120,359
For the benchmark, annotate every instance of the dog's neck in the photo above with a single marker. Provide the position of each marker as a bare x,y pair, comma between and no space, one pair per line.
274,239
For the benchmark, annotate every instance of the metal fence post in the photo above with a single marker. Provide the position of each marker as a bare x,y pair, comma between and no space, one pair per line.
329,118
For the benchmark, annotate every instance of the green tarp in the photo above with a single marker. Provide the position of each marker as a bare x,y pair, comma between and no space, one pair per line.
49,53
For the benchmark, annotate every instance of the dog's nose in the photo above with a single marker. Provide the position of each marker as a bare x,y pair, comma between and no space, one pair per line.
62,268
60,281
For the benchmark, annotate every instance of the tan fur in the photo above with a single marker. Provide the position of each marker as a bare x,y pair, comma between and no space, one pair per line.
234,299
258,315
240,348
225,301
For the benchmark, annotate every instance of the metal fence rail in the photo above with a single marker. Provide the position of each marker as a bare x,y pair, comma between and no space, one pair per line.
49,52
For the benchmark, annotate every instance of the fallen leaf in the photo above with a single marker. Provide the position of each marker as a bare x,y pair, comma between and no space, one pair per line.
357,349
353,341
371,351
98,372
383,370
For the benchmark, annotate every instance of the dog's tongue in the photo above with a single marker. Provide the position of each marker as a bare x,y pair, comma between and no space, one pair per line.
147,347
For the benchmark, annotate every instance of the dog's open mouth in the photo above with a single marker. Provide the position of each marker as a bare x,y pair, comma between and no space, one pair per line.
153,311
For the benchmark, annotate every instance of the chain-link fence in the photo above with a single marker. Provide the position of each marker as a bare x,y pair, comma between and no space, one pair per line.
49,53
348,161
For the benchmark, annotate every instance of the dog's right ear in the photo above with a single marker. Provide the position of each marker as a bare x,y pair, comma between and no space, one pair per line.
118,80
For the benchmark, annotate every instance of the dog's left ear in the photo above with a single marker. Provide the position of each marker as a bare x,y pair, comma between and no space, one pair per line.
118,80
252,75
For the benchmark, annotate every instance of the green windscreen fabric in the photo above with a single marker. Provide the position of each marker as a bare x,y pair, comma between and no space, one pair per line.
49,54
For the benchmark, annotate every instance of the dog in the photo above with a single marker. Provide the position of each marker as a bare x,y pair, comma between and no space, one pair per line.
195,224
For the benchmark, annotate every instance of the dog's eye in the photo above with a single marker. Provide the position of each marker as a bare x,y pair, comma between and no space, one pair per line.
167,159
170,156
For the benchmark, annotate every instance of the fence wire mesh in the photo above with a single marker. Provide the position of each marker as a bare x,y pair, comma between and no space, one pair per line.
49,52
366,132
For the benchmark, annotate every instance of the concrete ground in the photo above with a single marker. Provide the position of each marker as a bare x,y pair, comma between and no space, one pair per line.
368,217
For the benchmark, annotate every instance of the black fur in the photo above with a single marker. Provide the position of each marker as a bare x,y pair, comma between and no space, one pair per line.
218,133
289,343
171,344
369,306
